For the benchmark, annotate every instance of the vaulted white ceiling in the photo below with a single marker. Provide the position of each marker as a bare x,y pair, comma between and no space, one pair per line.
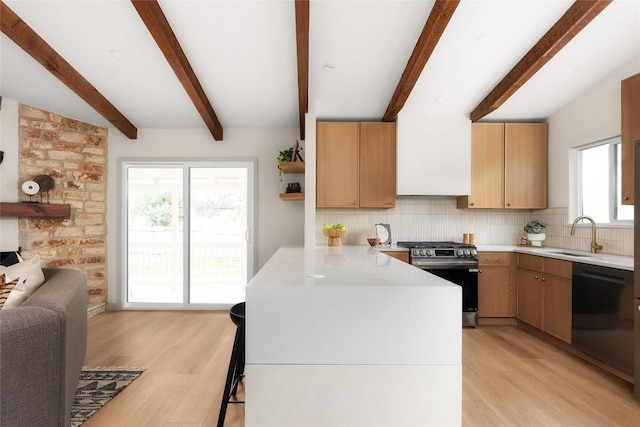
244,54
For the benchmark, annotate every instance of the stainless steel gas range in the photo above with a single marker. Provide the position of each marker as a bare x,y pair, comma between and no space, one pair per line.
456,262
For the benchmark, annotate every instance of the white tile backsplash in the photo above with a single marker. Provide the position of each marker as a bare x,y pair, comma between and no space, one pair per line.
437,218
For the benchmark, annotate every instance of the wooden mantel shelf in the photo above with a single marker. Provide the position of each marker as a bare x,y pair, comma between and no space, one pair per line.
51,210
291,196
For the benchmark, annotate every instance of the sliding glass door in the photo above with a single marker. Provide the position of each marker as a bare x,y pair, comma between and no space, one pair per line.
188,240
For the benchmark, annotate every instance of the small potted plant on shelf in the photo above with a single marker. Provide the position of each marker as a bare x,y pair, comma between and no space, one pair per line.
536,232
288,155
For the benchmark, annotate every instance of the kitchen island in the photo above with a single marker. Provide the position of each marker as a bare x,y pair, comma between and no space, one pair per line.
350,336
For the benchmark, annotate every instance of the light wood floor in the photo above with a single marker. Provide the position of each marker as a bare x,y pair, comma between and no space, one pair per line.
510,377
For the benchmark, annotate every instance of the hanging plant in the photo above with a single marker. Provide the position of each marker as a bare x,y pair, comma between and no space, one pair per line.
287,155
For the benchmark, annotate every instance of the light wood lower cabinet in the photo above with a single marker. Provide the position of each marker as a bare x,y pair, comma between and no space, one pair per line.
496,285
544,294
402,255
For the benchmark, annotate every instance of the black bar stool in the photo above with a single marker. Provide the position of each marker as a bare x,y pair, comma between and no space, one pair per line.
236,364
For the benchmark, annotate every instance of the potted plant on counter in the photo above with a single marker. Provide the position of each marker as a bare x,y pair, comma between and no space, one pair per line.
536,232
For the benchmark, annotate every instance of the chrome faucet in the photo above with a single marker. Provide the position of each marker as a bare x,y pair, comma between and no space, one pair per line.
595,247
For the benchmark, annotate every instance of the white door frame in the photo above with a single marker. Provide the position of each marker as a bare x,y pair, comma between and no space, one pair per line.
186,164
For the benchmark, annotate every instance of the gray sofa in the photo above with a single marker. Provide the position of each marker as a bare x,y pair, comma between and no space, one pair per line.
43,344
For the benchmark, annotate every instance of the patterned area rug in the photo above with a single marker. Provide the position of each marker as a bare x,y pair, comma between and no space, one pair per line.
97,386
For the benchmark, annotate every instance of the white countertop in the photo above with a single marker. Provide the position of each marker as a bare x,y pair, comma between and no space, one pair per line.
605,260
340,266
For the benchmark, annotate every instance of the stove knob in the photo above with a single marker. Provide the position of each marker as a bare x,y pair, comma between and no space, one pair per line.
474,253
414,252
460,252
467,252
429,252
422,252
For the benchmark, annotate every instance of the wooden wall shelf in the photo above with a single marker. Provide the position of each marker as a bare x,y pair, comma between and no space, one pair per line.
291,196
292,167
50,210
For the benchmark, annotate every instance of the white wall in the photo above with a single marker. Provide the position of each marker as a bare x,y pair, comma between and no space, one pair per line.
278,222
592,116
10,144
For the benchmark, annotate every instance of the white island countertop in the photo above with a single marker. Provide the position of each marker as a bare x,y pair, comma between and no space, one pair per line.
350,336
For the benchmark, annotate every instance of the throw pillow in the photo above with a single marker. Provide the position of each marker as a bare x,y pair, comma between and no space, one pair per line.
5,289
30,277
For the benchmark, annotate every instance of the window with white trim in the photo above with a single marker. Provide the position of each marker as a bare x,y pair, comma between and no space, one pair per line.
599,183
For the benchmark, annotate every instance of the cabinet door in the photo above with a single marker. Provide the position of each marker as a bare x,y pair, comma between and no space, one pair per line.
377,165
496,292
530,297
525,163
402,256
487,166
630,131
337,168
557,307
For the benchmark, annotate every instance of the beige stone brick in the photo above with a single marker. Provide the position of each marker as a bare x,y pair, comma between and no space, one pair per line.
65,155
75,195
92,167
68,232
75,137
29,235
56,172
70,165
75,205
93,150
33,154
88,176
89,219
73,185
71,124
61,145
47,223
39,124
29,111
98,197
43,145
95,159
64,262
95,207
94,251
95,230
30,133
95,187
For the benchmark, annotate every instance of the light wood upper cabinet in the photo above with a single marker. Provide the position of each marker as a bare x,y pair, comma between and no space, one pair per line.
337,171
525,165
630,131
508,166
377,165
356,165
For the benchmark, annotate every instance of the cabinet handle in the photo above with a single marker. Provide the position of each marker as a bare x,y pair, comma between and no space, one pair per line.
626,198
354,203
535,277
508,204
470,204
479,271
544,278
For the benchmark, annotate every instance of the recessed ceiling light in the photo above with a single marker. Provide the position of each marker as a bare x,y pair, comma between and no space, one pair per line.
328,67
116,54
484,38
570,69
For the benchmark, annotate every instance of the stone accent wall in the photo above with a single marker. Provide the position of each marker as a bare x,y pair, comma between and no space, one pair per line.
75,155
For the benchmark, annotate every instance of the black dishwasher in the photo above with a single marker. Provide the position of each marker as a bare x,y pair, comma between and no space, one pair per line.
602,314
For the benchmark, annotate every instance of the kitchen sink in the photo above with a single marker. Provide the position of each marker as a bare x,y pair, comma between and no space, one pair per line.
571,254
